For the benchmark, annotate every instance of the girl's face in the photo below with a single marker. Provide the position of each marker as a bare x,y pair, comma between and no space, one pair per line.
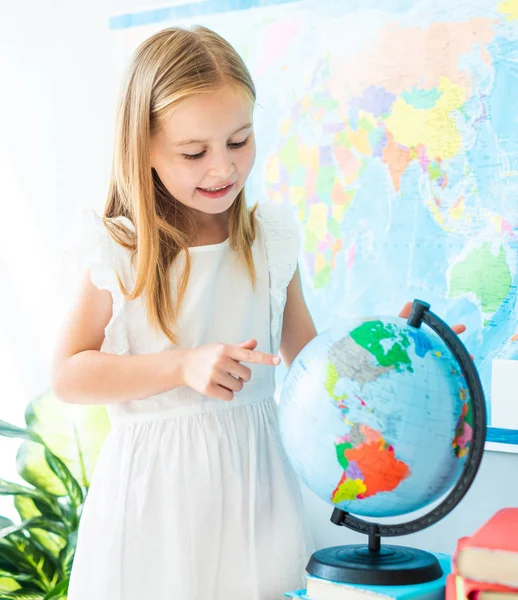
205,149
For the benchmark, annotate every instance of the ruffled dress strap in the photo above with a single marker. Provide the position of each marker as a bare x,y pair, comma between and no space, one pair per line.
281,232
97,251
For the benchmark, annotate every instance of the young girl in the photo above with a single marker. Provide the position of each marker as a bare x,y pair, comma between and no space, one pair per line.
187,298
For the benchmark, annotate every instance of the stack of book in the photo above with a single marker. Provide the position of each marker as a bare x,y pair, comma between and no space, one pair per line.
323,589
485,564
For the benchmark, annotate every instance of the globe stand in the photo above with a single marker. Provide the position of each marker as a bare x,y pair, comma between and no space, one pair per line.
374,564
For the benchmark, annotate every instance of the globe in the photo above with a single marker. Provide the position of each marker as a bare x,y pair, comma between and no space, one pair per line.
377,418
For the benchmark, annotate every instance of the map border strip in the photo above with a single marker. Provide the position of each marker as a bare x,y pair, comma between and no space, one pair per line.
502,440
184,11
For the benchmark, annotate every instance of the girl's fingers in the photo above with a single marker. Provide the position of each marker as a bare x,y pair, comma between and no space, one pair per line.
238,370
249,344
406,310
230,382
252,356
220,392
458,329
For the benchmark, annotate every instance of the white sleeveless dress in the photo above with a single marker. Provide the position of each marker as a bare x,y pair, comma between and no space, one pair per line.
193,498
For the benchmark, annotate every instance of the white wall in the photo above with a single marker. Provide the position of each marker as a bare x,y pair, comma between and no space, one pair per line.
56,104
56,108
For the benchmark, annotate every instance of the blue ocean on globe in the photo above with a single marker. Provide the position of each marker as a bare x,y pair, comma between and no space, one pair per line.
375,417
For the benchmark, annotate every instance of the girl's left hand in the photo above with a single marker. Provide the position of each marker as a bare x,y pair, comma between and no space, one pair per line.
405,313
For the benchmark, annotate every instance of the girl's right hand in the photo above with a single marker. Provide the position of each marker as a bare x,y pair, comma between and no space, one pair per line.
216,370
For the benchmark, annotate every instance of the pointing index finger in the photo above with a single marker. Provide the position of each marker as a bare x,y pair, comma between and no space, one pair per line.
253,356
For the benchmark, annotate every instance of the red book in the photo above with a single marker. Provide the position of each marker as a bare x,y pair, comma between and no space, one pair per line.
458,588
491,553
451,590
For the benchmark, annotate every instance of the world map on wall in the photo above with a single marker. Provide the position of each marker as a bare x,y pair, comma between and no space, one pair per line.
393,132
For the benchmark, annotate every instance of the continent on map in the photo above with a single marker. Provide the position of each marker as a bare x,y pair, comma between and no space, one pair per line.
370,465
386,342
354,362
485,275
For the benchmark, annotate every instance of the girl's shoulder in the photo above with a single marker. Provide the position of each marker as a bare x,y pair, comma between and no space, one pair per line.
100,237
279,225
90,245
280,231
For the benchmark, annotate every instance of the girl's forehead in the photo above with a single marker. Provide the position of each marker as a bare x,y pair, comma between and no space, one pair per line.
209,115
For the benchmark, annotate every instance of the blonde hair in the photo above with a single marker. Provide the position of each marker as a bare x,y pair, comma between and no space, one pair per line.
170,66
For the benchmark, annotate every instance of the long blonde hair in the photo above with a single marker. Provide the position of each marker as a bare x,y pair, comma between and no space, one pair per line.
168,67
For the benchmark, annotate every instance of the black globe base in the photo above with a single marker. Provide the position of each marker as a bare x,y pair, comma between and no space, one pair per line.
390,565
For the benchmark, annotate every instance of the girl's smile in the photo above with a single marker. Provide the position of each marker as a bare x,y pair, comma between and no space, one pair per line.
217,192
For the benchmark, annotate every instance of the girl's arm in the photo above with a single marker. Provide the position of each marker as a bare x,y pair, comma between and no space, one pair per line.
81,374
298,328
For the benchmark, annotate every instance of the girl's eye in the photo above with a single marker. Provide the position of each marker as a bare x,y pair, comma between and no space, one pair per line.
194,156
231,145
237,145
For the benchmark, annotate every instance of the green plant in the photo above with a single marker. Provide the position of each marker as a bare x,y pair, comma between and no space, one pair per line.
57,457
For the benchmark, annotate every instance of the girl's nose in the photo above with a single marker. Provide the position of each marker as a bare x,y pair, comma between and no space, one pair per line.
222,165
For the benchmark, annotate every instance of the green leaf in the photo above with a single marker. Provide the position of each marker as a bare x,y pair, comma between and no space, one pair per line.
48,472
35,559
18,577
75,493
11,431
21,595
7,583
51,512
27,510
26,507
14,528
60,591
5,522
7,561
32,466
11,583
66,556
12,560
43,500
9,575
74,433
36,523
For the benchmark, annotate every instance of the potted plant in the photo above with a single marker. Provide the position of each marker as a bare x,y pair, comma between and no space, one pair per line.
60,445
